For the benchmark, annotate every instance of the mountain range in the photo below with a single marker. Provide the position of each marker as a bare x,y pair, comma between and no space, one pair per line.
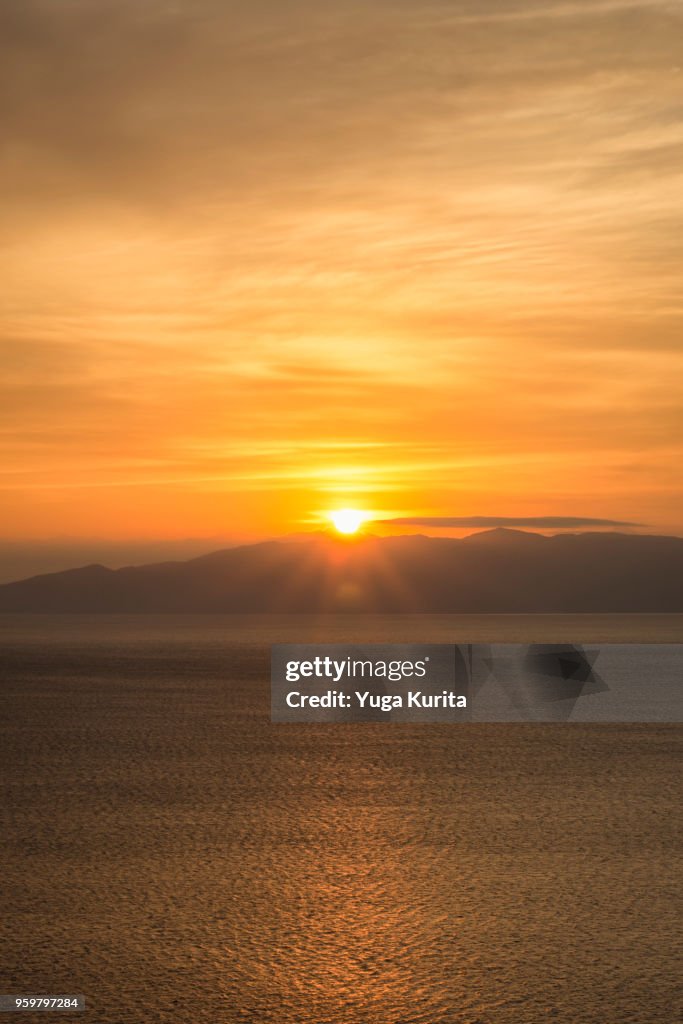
493,571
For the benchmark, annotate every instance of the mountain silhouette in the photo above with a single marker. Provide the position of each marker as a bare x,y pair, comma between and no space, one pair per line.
493,571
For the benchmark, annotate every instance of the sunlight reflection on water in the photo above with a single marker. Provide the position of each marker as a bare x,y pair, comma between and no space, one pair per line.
173,855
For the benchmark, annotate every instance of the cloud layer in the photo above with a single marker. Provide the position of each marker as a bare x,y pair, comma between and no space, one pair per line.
260,258
490,522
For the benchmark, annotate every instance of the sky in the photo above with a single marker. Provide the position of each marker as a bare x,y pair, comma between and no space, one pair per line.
263,260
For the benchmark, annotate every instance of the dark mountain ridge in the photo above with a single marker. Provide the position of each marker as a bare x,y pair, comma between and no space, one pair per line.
493,571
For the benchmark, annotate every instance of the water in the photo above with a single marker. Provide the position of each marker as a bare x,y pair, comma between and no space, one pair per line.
174,856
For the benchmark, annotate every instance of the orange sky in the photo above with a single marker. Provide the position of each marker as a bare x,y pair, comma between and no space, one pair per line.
261,260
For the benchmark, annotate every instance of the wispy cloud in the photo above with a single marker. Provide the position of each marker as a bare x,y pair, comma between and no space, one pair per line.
448,229
491,522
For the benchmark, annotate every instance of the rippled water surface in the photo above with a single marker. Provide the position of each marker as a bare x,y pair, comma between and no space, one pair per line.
173,856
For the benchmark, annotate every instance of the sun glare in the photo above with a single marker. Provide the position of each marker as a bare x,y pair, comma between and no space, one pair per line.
347,520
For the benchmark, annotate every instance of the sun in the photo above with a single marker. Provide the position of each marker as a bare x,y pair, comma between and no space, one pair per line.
347,520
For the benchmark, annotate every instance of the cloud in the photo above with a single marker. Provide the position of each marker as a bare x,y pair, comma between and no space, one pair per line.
442,237
540,522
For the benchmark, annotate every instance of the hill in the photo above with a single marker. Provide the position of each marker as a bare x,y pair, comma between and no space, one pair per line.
493,571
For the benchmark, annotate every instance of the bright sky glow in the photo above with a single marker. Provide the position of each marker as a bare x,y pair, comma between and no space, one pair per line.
261,259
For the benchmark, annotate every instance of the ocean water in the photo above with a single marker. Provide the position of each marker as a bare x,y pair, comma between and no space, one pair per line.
173,856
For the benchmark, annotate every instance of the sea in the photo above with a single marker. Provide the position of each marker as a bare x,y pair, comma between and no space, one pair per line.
172,855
